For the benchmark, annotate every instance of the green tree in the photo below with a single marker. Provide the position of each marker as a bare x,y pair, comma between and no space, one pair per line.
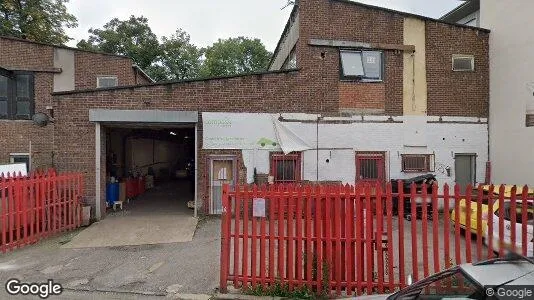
132,37
178,60
38,20
235,56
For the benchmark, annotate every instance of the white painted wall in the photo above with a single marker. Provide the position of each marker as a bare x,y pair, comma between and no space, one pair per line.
511,88
64,59
338,143
471,20
286,45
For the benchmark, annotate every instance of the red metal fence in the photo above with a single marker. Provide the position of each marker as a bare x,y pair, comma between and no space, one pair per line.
361,240
36,206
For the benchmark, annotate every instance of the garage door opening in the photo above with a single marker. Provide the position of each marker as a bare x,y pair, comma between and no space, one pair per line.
152,167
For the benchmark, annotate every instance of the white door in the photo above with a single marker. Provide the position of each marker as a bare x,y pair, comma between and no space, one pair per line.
221,172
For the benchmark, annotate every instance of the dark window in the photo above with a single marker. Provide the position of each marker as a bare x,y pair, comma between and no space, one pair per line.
16,96
4,96
463,63
530,120
417,162
285,168
21,159
370,166
362,65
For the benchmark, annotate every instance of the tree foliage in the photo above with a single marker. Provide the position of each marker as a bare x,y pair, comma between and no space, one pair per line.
132,37
38,20
175,57
235,56
178,60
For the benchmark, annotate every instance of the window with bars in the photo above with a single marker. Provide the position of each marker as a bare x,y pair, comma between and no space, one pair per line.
16,96
370,166
413,163
285,168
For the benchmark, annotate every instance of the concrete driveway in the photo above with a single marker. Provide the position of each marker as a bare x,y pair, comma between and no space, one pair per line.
170,270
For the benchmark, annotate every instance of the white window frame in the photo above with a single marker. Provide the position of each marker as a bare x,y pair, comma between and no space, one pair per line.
13,155
361,78
463,56
106,77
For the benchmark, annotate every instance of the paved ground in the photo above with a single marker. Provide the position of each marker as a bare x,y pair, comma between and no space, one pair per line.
156,270
158,216
164,260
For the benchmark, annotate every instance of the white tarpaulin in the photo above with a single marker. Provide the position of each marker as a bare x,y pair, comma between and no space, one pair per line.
249,131
288,140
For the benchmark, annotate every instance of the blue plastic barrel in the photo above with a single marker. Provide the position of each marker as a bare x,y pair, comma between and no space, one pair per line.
112,193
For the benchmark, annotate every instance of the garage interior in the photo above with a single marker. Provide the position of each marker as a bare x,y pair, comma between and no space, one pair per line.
161,157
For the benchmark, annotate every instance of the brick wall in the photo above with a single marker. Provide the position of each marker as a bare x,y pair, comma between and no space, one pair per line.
449,93
334,20
88,66
19,135
453,93
276,92
361,96
20,54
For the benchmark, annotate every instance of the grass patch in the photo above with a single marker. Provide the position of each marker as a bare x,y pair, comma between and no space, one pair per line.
279,289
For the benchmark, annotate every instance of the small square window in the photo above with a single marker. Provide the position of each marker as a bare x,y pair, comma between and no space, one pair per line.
363,65
463,63
417,163
107,81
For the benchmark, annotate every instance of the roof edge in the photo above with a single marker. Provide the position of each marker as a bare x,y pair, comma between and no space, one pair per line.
164,83
12,38
407,14
138,68
286,29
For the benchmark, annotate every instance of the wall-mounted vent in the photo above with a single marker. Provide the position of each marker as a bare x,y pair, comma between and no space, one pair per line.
463,63
530,120
107,81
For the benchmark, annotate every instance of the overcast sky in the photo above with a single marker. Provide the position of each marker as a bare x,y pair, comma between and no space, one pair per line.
208,20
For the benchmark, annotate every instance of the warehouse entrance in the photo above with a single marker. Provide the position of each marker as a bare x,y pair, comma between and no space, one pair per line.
150,169
146,160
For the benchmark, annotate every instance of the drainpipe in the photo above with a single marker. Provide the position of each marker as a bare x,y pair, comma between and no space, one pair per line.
98,213
195,214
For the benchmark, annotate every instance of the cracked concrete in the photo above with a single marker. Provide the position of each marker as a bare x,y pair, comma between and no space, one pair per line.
185,270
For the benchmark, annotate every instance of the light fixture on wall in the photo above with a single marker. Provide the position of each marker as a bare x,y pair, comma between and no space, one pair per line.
172,133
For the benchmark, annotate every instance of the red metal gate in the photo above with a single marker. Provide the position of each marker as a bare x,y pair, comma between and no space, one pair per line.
38,206
338,238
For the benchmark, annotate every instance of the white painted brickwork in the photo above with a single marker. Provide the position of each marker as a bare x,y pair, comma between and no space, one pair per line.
339,142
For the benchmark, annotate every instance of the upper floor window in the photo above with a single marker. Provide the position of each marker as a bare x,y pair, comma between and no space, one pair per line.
463,62
107,81
16,96
362,65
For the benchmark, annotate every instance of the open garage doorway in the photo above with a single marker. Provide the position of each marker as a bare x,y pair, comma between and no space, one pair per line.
153,168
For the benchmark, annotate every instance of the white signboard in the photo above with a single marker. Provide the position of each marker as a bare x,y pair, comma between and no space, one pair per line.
239,131
13,169
258,207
